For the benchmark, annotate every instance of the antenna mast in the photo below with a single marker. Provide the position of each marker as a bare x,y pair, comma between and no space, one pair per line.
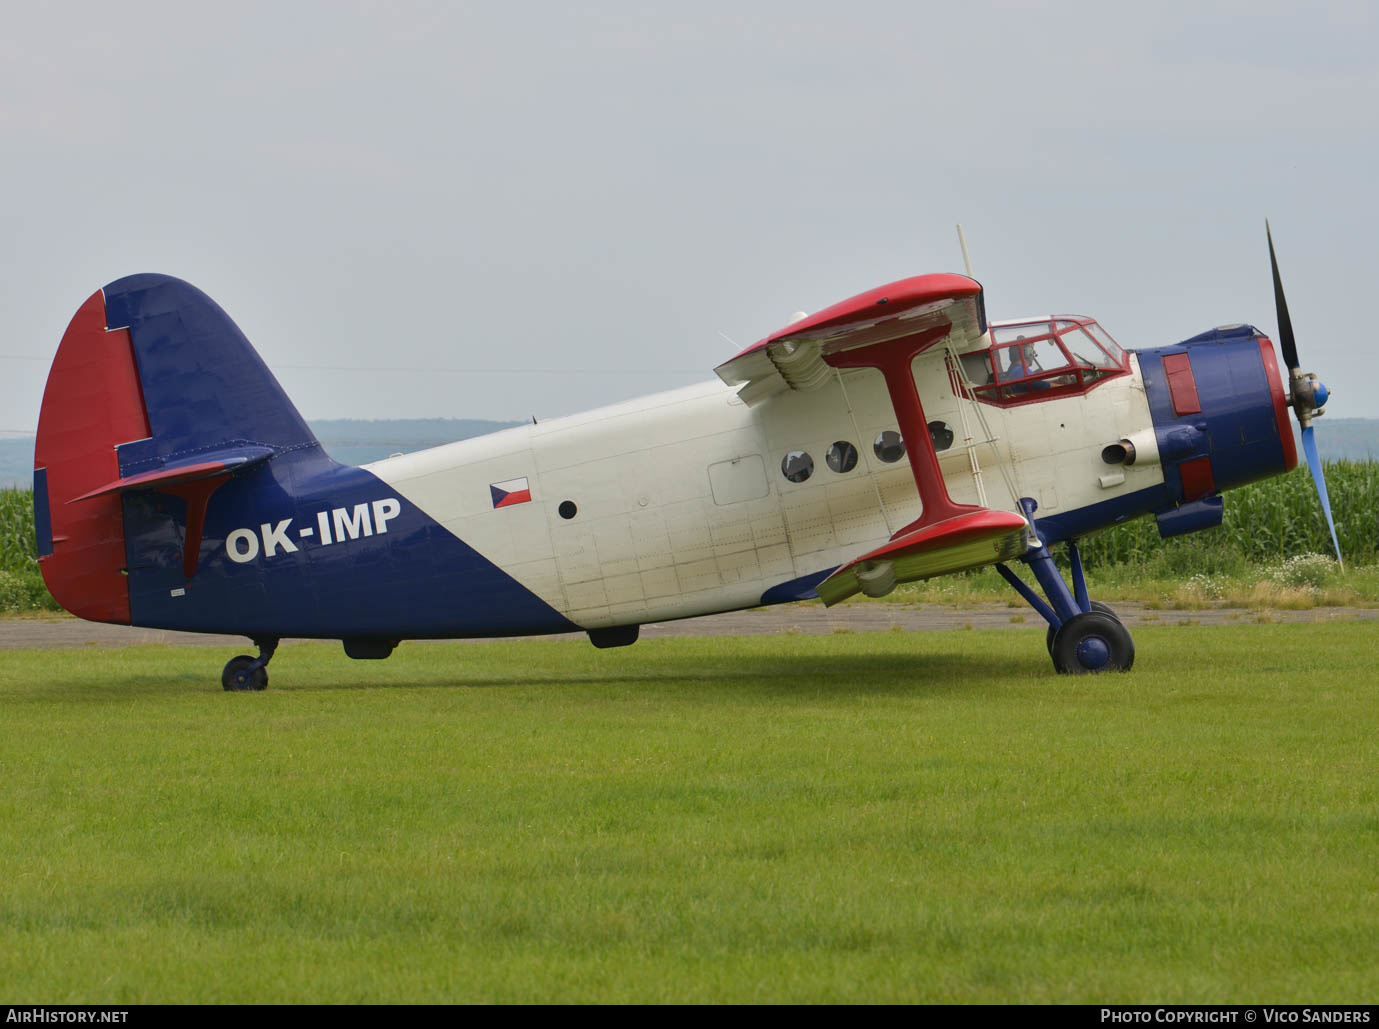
962,242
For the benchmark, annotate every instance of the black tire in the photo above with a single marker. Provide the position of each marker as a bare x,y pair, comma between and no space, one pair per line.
234,679
1091,643
1096,606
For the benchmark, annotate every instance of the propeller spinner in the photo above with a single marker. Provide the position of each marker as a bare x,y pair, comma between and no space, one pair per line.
1308,395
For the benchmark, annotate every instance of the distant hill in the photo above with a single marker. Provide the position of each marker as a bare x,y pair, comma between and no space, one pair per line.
1348,439
353,441
348,440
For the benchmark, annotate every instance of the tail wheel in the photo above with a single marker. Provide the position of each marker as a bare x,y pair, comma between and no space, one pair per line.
1096,606
238,677
1092,642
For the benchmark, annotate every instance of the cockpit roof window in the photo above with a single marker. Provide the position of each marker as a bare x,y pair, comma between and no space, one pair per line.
1025,330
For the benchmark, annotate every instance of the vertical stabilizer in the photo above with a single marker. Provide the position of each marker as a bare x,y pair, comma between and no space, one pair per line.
153,389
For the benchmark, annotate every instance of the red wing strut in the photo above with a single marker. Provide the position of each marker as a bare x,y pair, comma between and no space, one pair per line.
886,329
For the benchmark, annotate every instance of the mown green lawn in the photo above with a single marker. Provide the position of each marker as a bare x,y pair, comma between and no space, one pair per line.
896,817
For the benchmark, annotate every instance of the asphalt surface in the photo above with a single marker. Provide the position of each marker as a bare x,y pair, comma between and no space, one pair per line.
811,618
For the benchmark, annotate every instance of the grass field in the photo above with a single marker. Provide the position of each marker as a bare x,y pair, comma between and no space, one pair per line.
896,817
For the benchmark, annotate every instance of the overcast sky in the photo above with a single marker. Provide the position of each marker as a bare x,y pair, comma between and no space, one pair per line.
499,210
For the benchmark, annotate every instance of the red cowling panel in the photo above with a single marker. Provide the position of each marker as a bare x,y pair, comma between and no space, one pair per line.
92,403
1182,386
1198,480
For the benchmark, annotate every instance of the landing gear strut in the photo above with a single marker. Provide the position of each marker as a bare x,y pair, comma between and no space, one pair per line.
1084,636
249,673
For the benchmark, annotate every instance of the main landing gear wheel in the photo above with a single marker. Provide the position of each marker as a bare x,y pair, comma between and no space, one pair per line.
1092,642
1096,606
239,676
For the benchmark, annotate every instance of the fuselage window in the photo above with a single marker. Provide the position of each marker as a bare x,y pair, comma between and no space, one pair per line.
942,435
842,457
797,466
889,447
977,368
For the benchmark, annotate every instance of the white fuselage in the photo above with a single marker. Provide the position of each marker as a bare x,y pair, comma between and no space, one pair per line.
682,507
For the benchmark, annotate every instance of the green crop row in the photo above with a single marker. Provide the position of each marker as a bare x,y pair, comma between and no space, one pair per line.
1265,521
21,585
17,548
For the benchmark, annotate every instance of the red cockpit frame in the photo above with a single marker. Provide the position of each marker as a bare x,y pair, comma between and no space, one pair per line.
1010,372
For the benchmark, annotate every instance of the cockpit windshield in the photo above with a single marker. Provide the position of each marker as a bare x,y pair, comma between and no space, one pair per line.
1039,359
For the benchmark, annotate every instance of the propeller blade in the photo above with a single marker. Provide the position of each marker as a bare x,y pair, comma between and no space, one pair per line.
1285,324
1314,462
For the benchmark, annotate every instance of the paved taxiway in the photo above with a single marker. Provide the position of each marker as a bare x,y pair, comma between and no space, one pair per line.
53,631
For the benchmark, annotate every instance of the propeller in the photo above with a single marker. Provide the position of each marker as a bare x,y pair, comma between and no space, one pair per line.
1308,395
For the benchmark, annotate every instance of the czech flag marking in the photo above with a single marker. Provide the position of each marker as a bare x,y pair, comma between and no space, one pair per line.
514,491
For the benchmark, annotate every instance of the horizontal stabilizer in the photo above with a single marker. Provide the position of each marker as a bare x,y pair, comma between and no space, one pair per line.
228,462
970,540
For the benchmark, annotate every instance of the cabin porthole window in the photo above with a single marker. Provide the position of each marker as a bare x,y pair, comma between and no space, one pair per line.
567,509
889,447
797,466
942,435
842,457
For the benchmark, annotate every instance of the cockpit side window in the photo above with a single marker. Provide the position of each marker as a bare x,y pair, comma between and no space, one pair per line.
1043,359
1107,343
1085,351
1021,360
977,368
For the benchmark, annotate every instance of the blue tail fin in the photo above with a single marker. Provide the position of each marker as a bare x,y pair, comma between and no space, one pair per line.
153,388
204,388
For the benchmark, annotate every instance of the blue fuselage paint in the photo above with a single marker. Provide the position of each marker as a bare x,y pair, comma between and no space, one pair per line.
802,588
406,578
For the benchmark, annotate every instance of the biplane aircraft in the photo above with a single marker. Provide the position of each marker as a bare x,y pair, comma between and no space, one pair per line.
891,437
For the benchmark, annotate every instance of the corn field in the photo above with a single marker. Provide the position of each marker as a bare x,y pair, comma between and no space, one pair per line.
17,548
1267,520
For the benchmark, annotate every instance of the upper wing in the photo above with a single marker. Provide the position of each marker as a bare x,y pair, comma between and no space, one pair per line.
793,358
